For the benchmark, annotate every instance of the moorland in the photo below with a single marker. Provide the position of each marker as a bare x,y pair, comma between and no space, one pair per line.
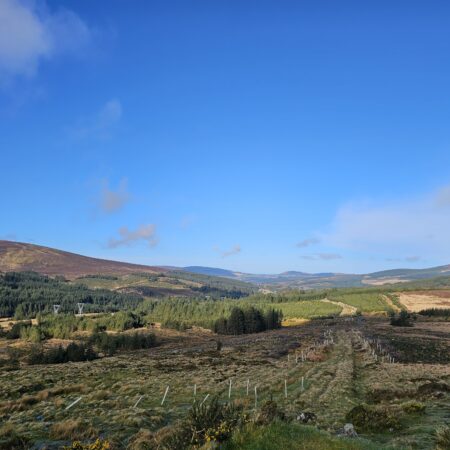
173,359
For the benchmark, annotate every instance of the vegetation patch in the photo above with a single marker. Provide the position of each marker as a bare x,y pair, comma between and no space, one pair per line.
367,418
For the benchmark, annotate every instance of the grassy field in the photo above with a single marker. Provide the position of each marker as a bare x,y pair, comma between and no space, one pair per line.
294,437
364,302
308,309
337,376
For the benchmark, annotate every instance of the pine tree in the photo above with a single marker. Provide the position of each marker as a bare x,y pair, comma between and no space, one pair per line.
236,322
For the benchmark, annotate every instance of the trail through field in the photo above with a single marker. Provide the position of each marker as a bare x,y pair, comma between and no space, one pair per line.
391,304
330,394
347,310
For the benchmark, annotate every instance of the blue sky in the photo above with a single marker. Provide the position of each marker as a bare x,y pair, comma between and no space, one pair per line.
257,136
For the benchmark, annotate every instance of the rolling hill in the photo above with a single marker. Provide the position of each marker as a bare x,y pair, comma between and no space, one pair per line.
16,256
20,257
95,273
294,279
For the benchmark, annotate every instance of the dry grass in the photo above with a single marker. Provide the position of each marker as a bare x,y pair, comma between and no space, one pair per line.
418,301
72,430
337,377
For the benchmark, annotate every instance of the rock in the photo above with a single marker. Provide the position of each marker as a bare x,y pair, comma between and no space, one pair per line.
306,417
349,430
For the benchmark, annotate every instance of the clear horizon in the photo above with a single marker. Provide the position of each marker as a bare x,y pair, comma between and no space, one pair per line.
256,137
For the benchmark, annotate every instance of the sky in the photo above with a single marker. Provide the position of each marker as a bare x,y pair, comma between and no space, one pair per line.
258,136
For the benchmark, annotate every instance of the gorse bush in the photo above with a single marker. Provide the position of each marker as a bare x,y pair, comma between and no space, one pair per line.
207,423
249,320
97,445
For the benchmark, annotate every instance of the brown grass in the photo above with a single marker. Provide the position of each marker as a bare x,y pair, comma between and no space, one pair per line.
418,301
72,430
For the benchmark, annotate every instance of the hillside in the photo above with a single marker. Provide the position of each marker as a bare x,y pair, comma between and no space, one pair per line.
16,256
20,257
124,278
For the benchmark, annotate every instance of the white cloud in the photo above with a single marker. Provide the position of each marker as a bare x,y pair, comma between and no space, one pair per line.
30,33
113,200
418,226
146,233
413,258
102,124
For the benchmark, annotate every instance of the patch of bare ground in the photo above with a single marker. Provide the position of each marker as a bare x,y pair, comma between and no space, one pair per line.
382,281
417,301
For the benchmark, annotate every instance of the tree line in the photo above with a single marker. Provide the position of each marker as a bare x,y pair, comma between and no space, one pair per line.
26,294
248,320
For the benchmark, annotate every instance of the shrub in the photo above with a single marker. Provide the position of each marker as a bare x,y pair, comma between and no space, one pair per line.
403,319
205,423
58,355
175,325
10,440
111,343
413,407
443,438
269,412
17,329
97,445
373,418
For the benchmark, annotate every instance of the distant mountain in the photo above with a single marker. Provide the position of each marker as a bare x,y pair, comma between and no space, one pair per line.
18,256
404,275
212,271
303,280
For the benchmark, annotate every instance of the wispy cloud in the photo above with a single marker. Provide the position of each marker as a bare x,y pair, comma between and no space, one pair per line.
30,32
232,251
111,200
405,259
307,242
145,233
322,256
102,124
417,226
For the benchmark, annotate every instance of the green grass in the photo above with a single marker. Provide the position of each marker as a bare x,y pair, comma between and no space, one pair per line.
307,309
293,436
365,302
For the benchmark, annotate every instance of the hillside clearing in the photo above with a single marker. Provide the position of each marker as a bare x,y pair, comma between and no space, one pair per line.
419,301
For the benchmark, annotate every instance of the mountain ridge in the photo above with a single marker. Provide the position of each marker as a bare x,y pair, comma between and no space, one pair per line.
20,256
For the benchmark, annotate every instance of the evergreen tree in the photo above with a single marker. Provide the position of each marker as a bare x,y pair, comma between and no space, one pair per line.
236,322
